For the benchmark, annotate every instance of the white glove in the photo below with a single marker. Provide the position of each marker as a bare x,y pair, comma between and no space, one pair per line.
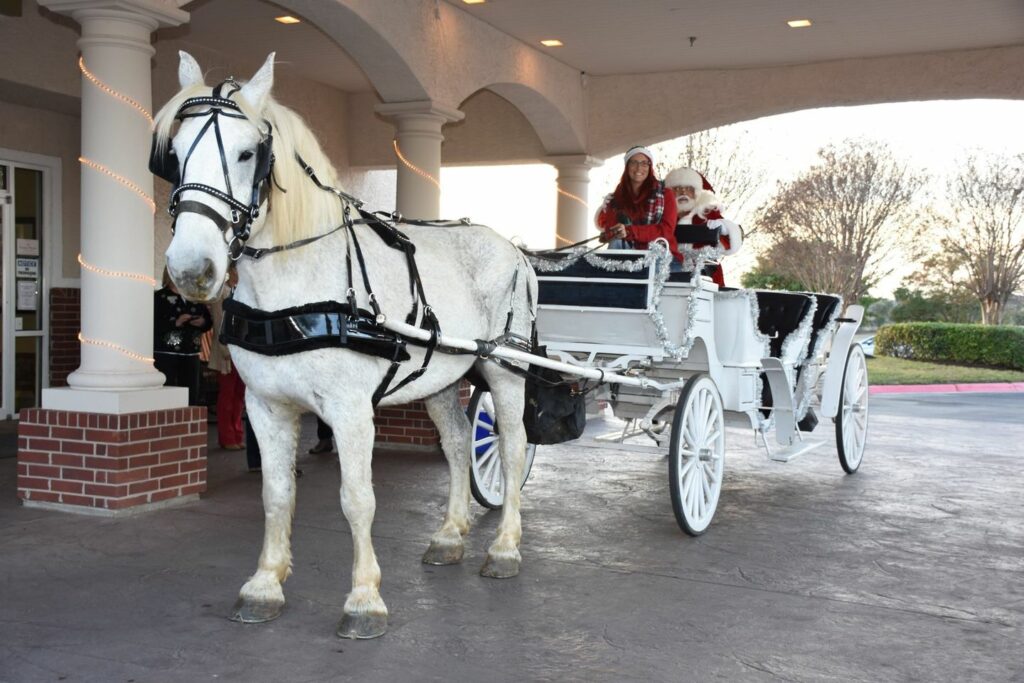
724,226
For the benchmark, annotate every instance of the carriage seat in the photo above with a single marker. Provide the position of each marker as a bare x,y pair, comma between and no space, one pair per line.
564,287
779,315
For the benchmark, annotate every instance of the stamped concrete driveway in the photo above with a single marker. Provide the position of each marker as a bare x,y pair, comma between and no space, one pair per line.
912,569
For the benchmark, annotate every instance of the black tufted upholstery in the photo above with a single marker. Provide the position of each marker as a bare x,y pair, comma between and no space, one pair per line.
827,305
779,314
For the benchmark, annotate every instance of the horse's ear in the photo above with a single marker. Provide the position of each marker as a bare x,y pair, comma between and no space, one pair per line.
256,90
189,73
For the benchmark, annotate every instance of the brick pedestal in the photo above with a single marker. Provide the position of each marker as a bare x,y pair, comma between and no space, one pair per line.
111,464
409,426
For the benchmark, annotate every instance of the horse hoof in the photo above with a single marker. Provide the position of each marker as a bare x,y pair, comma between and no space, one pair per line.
500,567
252,612
362,626
443,554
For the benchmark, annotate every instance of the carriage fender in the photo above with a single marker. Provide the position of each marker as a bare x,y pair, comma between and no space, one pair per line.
836,365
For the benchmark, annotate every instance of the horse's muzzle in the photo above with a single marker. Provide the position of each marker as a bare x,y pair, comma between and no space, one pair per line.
197,283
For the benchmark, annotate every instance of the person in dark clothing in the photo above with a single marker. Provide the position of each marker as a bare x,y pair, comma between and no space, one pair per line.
325,434
178,326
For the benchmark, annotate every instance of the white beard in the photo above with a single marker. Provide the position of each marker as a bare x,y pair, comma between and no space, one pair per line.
685,204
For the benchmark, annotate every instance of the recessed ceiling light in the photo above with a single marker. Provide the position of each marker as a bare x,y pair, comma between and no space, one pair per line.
551,42
799,23
474,2
287,19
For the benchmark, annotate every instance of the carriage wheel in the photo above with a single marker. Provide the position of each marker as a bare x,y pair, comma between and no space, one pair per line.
485,477
852,420
697,454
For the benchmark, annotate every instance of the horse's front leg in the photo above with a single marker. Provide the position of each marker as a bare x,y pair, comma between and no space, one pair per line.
503,558
277,430
365,615
446,546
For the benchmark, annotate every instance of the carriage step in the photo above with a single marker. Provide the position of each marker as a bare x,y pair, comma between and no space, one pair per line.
797,449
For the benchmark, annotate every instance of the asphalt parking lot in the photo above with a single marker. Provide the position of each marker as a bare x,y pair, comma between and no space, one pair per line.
910,569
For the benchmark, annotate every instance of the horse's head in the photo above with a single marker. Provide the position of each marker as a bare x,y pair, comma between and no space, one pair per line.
219,161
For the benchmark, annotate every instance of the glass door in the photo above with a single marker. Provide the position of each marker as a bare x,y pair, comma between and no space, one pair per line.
24,322
5,220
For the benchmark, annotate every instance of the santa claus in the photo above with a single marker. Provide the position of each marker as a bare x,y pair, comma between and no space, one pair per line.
697,205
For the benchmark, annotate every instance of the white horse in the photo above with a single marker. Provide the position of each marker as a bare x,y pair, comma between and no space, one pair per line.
469,277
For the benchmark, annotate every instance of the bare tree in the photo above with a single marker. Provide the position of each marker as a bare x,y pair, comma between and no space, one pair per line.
837,226
723,156
981,246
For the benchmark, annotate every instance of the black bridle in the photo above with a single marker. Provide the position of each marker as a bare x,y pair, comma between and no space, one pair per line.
164,163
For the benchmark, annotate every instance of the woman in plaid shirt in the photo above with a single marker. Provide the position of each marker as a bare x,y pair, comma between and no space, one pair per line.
641,209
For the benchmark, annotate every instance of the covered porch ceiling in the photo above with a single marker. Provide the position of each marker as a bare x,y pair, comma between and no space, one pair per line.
611,37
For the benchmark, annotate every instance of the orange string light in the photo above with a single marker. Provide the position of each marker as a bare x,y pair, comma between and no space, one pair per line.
138,277
113,93
570,195
121,179
413,167
114,347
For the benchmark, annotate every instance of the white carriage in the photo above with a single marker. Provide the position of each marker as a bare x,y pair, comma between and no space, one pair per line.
682,358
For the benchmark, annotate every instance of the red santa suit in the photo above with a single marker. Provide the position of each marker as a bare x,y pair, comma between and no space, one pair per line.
704,209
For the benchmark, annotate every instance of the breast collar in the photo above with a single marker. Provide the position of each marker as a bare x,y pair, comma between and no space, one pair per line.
321,325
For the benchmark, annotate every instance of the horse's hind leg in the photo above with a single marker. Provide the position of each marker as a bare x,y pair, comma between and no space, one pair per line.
365,614
507,390
446,545
277,430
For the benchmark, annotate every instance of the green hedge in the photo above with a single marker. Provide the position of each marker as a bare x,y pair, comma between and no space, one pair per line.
997,346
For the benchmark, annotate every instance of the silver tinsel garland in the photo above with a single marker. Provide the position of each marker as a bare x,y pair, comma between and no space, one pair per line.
659,258
809,377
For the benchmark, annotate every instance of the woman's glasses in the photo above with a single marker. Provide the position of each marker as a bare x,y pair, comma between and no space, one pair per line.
639,163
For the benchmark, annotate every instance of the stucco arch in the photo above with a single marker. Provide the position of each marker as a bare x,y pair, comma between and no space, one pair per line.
680,103
552,126
440,54
386,67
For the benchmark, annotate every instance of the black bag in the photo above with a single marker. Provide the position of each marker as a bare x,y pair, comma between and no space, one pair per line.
555,411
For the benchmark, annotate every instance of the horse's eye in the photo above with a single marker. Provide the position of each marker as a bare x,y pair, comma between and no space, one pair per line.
245,156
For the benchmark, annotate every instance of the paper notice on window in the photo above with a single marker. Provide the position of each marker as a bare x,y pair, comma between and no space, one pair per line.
26,295
27,267
28,247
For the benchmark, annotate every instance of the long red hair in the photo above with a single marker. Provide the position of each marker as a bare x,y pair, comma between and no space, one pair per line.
623,199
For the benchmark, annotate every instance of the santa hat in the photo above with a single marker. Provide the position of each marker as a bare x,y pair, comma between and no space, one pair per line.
687,177
638,149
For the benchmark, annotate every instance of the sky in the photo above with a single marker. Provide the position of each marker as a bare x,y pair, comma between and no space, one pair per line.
519,201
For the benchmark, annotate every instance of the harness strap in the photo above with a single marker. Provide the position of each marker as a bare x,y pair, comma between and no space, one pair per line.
435,331
257,253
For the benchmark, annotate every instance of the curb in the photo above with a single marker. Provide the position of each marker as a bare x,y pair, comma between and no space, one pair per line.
989,387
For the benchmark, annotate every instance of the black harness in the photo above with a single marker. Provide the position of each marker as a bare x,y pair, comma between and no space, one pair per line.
163,162
326,324
322,325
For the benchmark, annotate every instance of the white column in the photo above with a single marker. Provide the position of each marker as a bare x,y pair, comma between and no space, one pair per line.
117,220
418,136
574,219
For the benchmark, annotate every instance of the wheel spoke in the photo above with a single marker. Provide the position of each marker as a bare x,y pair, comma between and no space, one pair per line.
485,440
687,466
489,470
707,486
487,455
702,503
